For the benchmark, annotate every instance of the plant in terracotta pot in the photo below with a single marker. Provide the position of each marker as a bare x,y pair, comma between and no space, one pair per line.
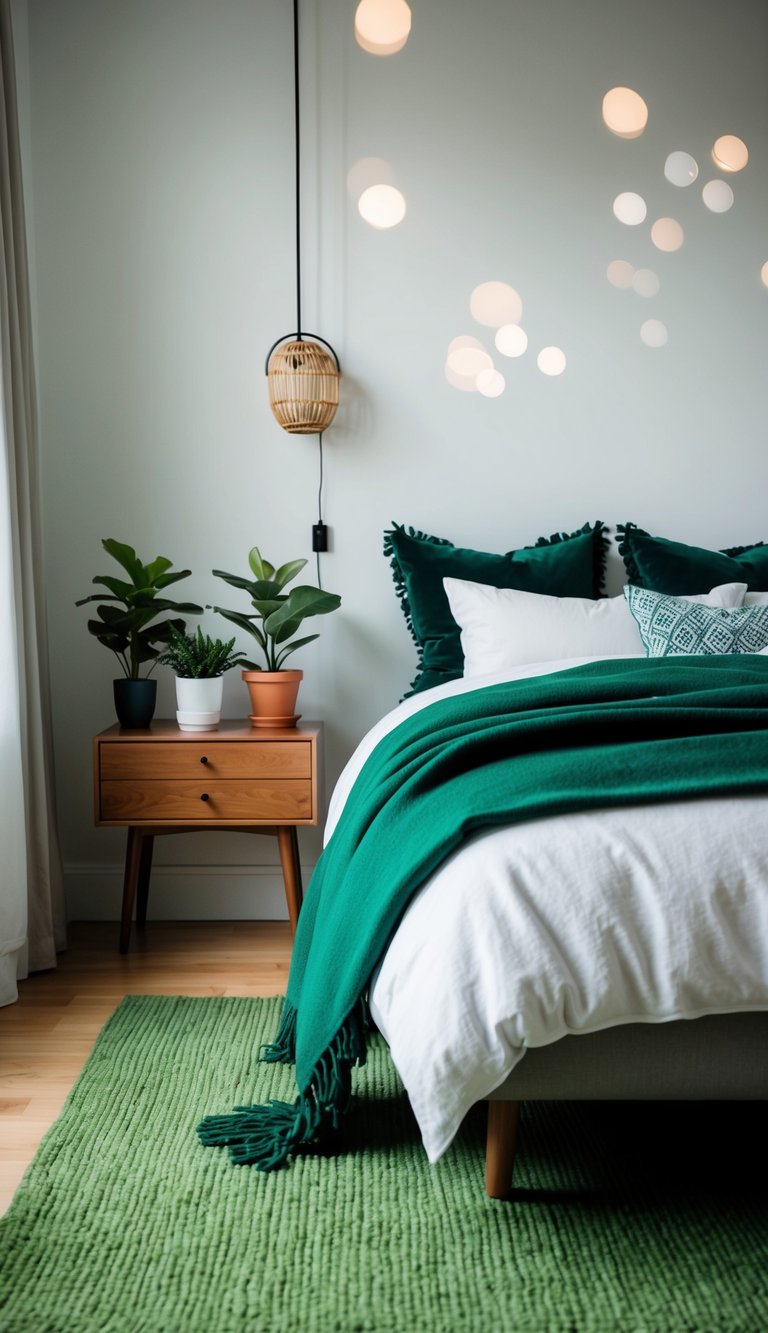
128,625
273,623
199,663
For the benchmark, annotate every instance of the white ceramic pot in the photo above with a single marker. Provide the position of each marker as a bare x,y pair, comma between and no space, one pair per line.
198,702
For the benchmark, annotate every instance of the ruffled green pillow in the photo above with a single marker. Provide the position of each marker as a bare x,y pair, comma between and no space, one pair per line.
673,567
672,627
563,565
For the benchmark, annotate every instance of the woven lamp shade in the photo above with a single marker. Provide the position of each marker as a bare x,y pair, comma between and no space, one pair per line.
303,387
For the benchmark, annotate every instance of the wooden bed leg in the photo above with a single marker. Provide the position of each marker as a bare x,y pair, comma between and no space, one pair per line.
500,1147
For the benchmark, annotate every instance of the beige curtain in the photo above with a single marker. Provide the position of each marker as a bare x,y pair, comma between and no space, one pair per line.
31,893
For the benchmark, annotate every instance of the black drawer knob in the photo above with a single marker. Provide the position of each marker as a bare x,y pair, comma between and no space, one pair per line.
205,796
204,759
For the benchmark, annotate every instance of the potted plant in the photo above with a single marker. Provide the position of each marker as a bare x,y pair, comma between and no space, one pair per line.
128,625
273,623
199,662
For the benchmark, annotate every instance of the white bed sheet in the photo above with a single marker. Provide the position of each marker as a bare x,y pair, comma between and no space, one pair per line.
565,925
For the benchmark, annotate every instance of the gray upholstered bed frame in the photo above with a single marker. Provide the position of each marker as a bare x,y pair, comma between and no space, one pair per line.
722,1057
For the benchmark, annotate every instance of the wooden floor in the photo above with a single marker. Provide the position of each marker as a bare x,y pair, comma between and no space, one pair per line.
46,1037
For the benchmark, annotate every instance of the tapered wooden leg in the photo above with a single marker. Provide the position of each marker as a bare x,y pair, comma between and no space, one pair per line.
130,881
288,843
145,870
500,1147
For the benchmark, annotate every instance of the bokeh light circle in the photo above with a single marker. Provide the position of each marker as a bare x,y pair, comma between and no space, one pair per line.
382,27
491,383
495,303
469,361
511,340
625,113
368,171
551,361
730,153
718,196
382,206
667,234
646,282
620,273
467,383
630,208
464,340
764,274
654,333
681,169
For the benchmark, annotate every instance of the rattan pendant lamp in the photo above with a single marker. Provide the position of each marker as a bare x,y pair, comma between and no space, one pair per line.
303,377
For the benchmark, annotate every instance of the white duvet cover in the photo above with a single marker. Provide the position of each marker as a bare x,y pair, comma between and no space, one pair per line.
565,925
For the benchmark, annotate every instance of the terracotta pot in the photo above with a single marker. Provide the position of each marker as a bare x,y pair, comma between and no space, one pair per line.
273,697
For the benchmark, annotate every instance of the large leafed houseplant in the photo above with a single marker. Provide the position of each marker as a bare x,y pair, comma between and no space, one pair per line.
274,622
129,625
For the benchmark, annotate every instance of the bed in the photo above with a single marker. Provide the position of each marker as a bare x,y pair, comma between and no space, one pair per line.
664,992
566,958
546,870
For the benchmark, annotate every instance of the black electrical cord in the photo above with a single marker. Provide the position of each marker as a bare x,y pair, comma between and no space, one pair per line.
298,162
320,504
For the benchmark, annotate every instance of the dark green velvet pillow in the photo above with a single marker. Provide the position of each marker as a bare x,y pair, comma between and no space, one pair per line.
673,567
564,565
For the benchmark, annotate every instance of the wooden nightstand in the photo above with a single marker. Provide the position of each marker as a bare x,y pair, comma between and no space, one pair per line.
162,780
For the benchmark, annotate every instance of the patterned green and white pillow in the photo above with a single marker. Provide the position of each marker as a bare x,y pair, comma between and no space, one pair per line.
673,627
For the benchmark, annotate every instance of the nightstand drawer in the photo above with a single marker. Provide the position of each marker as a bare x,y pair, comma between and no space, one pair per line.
220,759
206,799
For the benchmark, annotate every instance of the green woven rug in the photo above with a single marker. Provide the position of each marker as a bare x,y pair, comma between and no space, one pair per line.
124,1222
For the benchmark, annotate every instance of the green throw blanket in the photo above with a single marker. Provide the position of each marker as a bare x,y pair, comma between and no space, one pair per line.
610,733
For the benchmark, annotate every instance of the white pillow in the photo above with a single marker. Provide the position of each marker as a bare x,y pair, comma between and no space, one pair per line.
501,627
756,599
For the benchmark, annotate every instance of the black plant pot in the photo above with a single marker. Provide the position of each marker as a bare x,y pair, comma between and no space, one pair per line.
134,701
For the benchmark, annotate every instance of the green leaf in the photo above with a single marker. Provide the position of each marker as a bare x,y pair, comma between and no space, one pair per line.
113,615
244,622
127,557
117,587
190,608
291,648
266,589
286,630
165,580
259,589
158,604
141,597
156,569
143,651
98,597
162,633
109,637
234,580
261,568
237,618
265,608
288,571
301,602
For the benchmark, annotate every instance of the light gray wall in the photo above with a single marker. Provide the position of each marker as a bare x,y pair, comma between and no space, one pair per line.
159,146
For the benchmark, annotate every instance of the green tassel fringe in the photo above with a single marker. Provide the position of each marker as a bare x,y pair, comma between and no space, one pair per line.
624,535
600,545
283,1049
266,1136
401,591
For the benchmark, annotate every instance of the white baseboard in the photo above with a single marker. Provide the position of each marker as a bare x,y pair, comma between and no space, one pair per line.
182,893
